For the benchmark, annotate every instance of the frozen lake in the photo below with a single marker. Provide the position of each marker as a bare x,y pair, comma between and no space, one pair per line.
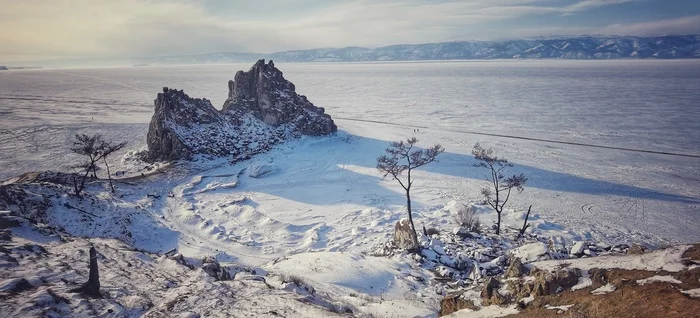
651,105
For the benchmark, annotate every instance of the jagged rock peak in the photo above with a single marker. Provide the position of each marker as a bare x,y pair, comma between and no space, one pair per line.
264,92
173,109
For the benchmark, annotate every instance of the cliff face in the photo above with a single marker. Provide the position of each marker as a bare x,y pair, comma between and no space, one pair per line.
262,110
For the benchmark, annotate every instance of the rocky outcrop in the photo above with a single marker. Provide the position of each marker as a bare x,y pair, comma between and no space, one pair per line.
3,68
264,92
262,110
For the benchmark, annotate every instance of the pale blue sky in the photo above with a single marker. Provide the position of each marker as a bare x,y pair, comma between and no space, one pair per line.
37,29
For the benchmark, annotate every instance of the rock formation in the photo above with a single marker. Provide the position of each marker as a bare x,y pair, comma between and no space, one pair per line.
262,109
3,68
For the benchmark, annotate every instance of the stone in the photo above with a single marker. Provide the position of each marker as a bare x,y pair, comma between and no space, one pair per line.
603,246
403,235
454,302
516,268
547,283
529,253
636,249
577,248
214,269
490,288
7,220
262,110
3,68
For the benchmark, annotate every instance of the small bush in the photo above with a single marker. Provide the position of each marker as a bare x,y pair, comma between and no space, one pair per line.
296,280
431,230
468,219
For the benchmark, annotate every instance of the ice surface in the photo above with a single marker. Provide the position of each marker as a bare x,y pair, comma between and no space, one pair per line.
602,194
322,200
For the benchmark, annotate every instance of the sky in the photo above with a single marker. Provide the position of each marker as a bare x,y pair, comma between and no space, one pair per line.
55,29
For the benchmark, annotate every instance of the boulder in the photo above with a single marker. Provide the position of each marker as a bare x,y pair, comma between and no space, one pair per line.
529,253
403,235
547,283
577,248
214,269
7,220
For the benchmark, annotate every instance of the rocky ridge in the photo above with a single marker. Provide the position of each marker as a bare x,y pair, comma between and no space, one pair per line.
262,109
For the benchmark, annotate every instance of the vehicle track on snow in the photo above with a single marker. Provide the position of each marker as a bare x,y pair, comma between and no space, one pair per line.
571,143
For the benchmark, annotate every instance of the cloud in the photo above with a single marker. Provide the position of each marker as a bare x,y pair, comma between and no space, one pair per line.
683,25
33,29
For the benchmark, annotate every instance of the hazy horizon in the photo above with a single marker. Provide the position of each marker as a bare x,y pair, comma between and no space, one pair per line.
40,31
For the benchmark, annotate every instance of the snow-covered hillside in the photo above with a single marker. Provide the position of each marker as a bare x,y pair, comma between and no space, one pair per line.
576,48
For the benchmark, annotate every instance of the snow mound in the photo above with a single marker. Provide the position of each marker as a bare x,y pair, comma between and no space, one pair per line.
259,169
366,274
658,278
602,290
532,252
492,311
669,259
694,293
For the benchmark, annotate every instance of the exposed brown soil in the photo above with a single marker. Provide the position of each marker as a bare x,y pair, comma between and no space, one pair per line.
658,299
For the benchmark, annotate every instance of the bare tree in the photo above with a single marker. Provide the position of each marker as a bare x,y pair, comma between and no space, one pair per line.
498,192
95,148
402,157
525,224
88,146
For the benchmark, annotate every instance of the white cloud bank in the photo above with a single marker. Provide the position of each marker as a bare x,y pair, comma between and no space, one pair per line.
36,29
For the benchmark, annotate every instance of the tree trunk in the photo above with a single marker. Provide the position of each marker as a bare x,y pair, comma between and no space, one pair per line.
92,287
109,176
410,218
498,224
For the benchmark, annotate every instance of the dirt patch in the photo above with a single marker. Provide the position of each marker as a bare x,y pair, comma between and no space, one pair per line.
693,254
629,299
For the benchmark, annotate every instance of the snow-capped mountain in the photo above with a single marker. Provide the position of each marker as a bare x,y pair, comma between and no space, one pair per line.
582,47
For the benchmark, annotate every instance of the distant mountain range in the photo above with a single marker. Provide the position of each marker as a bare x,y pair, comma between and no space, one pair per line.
578,48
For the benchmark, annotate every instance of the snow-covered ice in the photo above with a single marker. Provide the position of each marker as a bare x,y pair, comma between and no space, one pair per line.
310,208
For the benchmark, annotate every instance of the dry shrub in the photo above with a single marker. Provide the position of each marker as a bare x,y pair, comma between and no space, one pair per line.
468,218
